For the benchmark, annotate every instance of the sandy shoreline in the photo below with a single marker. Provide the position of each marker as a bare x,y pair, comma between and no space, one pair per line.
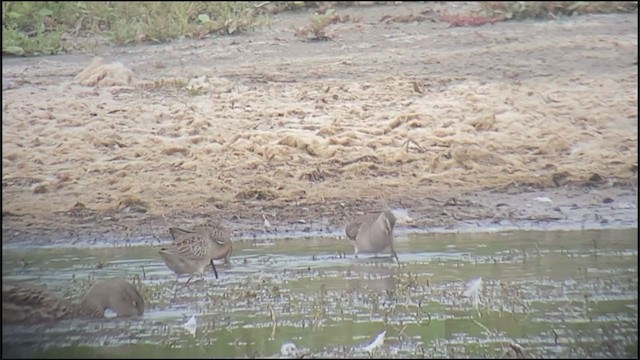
461,126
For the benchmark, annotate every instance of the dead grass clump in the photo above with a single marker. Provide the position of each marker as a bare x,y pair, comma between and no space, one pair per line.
117,178
42,114
78,209
316,175
411,145
12,156
325,131
484,123
198,86
462,156
110,141
393,156
466,154
273,152
205,84
176,150
316,30
41,188
256,194
401,119
98,73
312,146
493,11
360,168
550,9
387,19
197,139
343,140
175,83
555,145
78,206
63,181
132,202
189,165
560,178
361,158
255,137
467,157
242,145
275,7
211,147
198,124
467,20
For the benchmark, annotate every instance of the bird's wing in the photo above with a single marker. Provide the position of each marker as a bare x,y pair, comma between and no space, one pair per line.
352,229
178,233
26,303
190,247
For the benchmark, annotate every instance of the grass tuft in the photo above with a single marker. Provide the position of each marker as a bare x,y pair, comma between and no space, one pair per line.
52,27
41,28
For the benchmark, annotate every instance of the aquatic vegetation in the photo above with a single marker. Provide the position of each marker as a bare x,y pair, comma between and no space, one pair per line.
440,303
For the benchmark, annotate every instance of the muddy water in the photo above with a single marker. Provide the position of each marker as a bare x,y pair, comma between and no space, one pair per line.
544,294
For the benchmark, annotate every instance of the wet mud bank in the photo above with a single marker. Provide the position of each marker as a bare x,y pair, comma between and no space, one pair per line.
566,208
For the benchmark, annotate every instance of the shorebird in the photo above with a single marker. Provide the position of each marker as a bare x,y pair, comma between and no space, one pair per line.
373,233
27,303
195,248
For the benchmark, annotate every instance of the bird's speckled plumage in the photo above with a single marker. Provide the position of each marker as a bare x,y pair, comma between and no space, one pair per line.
24,303
372,233
195,248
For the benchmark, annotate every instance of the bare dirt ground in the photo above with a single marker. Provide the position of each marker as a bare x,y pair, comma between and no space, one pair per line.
516,123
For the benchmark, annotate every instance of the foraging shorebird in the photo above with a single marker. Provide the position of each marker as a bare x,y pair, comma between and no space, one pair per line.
372,233
195,248
24,303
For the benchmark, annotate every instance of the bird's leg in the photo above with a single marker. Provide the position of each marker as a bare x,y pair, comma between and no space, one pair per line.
178,286
393,254
214,268
356,253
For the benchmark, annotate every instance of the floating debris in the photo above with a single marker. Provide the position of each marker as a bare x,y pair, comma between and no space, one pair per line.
379,340
474,287
7,84
290,350
514,351
267,224
191,325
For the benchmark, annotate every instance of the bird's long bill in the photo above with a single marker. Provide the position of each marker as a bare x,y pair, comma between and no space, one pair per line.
214,268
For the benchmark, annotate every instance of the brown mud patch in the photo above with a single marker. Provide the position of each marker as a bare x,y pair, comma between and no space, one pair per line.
460,125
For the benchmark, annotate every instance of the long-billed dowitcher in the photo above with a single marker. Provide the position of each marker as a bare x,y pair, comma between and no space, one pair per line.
27,303
195,248
372,233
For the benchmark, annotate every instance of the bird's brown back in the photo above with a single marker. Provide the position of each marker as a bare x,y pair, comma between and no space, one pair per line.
372,233
361,222
28,304
219,238
116,294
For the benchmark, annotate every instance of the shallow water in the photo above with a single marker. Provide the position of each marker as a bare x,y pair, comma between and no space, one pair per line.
555,294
